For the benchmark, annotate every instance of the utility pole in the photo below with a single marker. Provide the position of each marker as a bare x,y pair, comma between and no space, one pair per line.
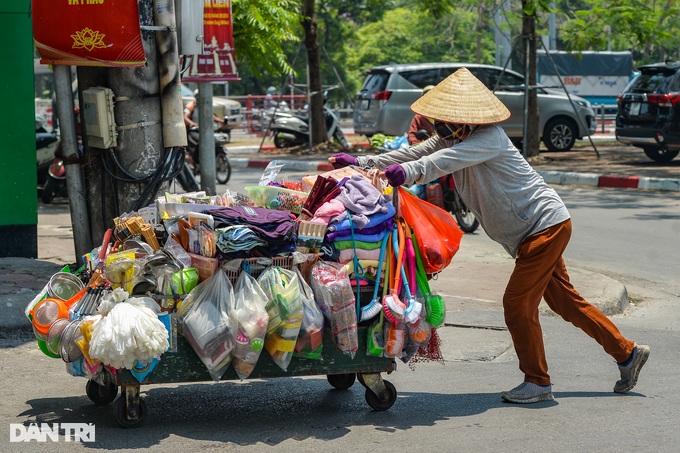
137,113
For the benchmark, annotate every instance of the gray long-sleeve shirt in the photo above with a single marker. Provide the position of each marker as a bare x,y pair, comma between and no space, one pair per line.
508,197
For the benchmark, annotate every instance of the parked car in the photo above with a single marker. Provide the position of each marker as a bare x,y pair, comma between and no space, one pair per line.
649,111
222,107
383,104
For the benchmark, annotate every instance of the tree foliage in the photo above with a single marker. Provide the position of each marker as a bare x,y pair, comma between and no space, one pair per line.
649,28
261,29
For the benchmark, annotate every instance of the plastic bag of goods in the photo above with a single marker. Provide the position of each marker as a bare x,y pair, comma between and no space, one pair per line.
310,340
285,313
209,326
252,320
130,331
333,293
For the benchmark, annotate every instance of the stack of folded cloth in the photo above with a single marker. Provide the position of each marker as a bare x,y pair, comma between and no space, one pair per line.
237,238
260,232
360,232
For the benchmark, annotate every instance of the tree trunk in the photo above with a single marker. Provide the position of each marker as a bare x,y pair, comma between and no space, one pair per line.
316,115
481,12
531,134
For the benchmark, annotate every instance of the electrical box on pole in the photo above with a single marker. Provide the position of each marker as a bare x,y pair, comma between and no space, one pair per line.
189,18
98,117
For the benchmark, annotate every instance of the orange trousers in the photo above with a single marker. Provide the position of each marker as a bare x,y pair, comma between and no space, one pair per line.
540,272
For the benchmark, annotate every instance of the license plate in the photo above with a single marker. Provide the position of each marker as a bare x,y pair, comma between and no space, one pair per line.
634,108
364,104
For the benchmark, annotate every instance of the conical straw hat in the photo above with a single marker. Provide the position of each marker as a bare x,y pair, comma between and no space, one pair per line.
462,99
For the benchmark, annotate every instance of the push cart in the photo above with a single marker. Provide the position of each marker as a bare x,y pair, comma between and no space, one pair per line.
184,366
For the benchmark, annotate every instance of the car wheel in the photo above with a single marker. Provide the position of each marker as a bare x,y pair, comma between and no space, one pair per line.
659,154
560,134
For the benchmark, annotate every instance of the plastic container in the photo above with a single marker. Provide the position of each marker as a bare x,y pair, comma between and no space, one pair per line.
272,197
63,286
205,266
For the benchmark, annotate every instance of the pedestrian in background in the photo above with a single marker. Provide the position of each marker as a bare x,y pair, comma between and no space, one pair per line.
518,210
421,128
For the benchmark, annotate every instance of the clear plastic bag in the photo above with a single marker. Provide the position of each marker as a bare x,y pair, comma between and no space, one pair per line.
209,326
310,340
334,296
252,319
129,332
285,313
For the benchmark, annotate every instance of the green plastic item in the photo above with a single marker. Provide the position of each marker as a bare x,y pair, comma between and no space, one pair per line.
434,303
185,280
42,344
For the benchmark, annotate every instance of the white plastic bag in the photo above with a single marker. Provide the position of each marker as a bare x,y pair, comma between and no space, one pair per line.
333,293
129,332
252,319
209,326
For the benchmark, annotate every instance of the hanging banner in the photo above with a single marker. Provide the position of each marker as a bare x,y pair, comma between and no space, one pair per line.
88,32
216,64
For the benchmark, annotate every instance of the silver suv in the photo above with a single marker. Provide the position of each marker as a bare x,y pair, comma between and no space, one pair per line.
383,104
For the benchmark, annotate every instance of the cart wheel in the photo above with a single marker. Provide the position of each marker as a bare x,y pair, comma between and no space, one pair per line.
101,395
120,413
389,396
360,378
341,381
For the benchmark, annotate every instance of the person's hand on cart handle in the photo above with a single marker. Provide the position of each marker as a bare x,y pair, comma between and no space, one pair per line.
395,175
342,160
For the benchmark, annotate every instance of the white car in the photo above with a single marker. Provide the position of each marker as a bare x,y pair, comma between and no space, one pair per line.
222,107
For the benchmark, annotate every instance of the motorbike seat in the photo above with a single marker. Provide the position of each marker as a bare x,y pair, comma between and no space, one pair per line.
43,139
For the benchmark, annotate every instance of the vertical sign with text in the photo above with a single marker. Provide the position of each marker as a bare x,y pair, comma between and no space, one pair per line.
216,64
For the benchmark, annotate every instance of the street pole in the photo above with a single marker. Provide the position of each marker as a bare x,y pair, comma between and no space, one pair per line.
74,176
206,140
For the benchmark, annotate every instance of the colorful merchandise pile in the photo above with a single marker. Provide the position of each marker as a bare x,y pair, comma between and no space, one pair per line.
236,275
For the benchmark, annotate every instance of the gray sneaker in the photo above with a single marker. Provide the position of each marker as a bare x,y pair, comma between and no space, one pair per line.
630,372
528,392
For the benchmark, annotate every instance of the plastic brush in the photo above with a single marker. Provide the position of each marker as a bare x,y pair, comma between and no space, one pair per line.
373,308
434,303
394,307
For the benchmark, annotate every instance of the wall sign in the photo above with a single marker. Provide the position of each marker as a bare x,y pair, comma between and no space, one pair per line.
88,32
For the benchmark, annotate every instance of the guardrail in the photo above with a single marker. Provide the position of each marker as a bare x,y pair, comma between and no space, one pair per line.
605,114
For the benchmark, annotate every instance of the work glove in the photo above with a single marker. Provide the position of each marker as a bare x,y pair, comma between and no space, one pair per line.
395,175
342,160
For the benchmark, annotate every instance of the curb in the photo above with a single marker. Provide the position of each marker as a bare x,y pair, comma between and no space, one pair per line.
550,176
597,180
300,165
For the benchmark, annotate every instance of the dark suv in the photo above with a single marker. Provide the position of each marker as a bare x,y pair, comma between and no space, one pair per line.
649,111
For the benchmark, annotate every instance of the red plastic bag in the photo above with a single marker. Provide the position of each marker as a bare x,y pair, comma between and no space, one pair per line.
436,231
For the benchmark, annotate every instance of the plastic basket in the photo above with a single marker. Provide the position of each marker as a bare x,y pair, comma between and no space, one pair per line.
257,265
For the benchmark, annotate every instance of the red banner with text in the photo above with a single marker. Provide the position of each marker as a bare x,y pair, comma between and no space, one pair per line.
88,32
216,63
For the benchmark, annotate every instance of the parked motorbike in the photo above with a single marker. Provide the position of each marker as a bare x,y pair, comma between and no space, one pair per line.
222,137
454,204
443,193
288,129
55,182
45,146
